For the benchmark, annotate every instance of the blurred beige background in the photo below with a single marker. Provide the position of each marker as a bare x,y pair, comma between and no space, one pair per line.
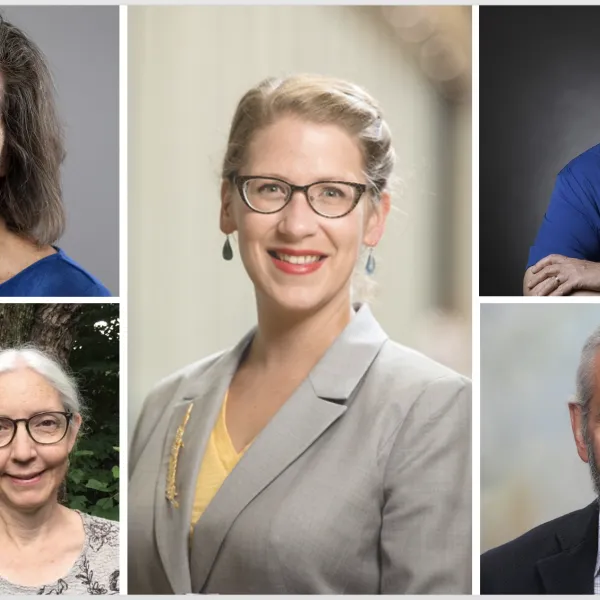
189,66
530,470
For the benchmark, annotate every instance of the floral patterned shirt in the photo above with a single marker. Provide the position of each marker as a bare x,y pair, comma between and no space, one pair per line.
96,571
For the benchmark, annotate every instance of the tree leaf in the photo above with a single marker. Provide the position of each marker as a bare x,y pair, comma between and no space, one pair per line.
94,484
105,503
76,475
78,503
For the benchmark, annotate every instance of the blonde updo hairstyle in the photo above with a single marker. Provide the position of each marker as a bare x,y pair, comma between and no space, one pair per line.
319,100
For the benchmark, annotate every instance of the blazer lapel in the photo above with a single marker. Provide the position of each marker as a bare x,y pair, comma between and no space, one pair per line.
188,432
571,571
311,410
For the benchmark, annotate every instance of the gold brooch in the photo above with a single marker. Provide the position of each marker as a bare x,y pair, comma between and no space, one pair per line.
172,472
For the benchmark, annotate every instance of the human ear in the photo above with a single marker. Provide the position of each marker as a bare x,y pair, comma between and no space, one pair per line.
376,219
576,423
226,219
74,430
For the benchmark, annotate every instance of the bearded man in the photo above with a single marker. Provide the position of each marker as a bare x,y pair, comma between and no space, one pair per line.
559,557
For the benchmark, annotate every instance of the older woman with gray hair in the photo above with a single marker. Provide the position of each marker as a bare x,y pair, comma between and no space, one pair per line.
45,548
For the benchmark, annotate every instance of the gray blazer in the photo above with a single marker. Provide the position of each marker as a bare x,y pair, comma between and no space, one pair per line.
360,484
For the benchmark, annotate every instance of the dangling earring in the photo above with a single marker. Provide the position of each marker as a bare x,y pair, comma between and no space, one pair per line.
227,249
370,266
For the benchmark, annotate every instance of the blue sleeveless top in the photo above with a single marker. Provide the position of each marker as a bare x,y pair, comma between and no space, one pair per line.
56,275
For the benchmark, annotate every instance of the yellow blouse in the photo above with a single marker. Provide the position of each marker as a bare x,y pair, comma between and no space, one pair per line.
219,460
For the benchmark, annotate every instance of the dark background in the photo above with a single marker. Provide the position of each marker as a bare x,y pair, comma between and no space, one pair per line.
539,81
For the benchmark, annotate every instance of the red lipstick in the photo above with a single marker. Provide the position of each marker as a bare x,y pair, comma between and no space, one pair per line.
284,259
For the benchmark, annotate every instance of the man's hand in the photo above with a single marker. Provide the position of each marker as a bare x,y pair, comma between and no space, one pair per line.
558,275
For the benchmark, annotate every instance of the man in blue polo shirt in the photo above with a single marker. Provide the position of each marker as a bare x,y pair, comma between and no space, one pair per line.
565,258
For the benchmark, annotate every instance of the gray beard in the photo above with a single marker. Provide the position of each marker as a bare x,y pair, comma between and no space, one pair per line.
593,463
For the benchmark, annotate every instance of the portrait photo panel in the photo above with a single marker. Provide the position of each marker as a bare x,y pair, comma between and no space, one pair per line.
299,331
539,150
59,448
59,134
539,448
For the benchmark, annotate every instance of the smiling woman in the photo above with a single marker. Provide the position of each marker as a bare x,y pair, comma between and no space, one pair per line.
46,548
317,456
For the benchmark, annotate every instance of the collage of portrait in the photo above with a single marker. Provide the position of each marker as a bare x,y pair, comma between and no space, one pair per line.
354,251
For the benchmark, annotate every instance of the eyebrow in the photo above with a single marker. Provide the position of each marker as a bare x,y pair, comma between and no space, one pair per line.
349,179
37,412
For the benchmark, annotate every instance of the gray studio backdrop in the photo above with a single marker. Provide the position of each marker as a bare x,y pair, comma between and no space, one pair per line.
82,48
530,470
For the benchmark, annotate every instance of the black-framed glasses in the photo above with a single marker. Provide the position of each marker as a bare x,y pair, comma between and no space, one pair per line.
330,199
43,428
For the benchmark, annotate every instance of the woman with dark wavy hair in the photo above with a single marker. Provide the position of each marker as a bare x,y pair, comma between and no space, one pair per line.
32,215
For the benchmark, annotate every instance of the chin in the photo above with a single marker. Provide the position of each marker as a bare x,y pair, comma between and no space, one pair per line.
29,502
28,499
301,294
298,300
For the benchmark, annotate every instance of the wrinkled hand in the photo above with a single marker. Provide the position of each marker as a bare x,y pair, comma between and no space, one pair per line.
558,275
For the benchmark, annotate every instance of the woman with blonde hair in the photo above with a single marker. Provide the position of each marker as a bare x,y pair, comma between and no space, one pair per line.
316,456
45,548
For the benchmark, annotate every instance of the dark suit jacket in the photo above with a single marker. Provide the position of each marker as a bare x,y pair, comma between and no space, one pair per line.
558,557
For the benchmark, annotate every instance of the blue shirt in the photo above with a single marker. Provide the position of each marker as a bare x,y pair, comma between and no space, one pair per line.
56,275
571,225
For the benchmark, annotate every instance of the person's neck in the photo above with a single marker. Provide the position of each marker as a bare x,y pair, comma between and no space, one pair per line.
18,252
300,338
24,529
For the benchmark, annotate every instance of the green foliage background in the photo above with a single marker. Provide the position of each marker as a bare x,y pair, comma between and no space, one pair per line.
92,484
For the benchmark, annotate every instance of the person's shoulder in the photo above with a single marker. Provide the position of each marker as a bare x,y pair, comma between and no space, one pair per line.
164,397
403,381
412,369
167,387
102,549
585,164
69,278
533,544
101,531
513,563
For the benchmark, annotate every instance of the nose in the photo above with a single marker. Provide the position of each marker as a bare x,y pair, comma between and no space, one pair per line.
23,447
298,219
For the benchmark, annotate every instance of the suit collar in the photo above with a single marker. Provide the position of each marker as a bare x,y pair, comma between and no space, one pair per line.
571,570
346,361
338,372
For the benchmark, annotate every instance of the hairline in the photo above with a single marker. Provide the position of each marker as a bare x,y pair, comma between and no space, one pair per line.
585,381
43,364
